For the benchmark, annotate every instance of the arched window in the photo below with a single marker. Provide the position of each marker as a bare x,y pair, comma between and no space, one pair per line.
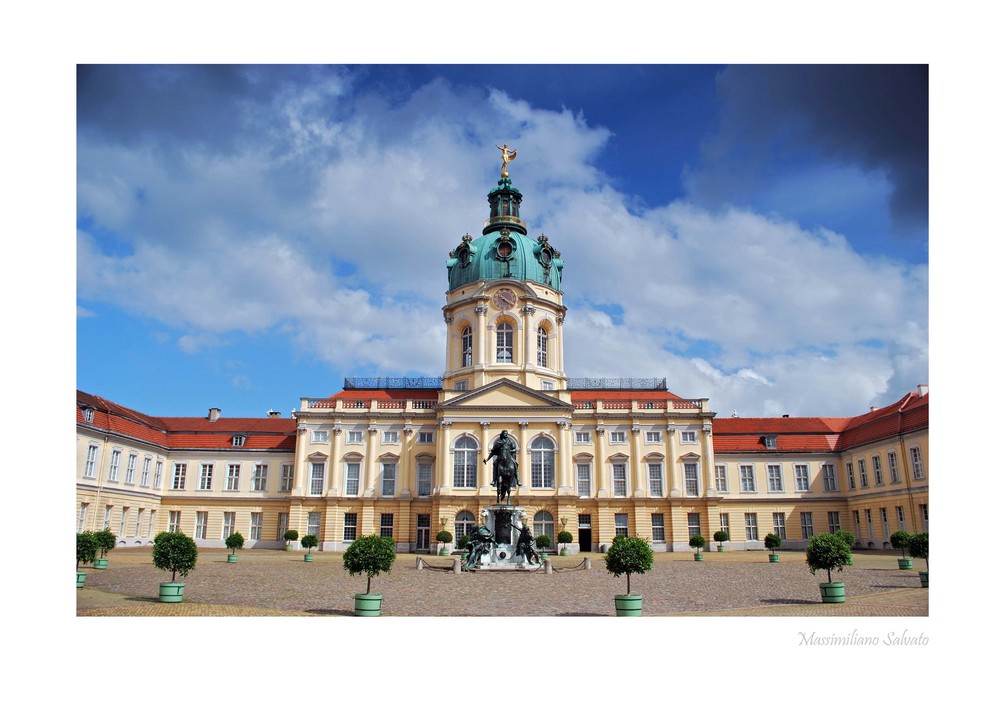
467,346
542,463
543,348
505,343
544,525
466,456
463,523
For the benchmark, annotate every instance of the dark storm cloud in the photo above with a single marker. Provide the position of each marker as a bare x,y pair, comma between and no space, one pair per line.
875,117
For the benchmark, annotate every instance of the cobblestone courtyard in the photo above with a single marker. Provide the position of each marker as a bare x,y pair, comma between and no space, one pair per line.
278,583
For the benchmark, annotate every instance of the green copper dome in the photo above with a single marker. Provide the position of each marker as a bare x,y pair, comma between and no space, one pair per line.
504,251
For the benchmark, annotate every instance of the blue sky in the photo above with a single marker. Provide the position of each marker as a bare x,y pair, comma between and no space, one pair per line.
249,235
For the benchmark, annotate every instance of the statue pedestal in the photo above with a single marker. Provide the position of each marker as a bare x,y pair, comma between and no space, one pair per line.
505,522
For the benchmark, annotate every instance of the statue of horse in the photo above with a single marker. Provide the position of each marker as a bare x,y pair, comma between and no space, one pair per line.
505,476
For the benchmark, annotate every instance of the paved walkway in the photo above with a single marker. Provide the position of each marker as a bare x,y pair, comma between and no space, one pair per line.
275,583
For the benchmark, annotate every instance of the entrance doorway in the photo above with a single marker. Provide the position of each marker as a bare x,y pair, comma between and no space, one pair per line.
586,543
423,532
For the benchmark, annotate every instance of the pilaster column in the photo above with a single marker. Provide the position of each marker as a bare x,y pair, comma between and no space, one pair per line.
481,335
336,470
484,445
708,461
601,480
443,461
564,460
637,483
299,467
405,488
671,465
369,473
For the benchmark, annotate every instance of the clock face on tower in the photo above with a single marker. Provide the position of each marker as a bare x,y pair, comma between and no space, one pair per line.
504,299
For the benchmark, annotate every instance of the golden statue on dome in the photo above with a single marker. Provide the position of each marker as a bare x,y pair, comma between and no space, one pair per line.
508,156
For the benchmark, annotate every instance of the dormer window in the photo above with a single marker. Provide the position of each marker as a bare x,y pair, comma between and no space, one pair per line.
239,440
771,441
88,414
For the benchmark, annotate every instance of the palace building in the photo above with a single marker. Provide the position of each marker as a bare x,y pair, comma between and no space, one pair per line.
404,457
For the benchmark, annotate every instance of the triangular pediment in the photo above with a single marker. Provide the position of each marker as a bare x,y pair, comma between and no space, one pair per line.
505,394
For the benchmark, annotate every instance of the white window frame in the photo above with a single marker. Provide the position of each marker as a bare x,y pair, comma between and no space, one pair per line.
81,519
850,476
200,524
748,482
863,473
157,474
317,481
621,524
179,476
721,478
205,477
505,343
462,385
659,532
689,437
466,347
619,477
389,471
654,472
883,514
542,357
355,437
350,527
259,479
287,477
385,529
233,477
806,518
583,478
116,461
320,436
174,522
775,482
583,437
352,478
618,437
778,521
425,437
653,437
228,523
256,524
692,478
916,459
90,466
314,523
877,469
750,526
130,468
693,524
147,463
425,479
390,436
465,463
893,463
901,517
801,472
138,522
829,472
833,520
543,463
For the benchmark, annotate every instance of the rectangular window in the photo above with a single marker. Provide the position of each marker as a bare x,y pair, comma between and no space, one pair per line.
900,518
425,438
424,475
152,521
617,438
691,479
90,467
857,524
583,480
770,441
653,437
158,475
656,479
774,478
130,469
724,522
890,458
144,477
259,477
350,527
868,523
316,475
750,521
138,521
352,478
320,436
689,437
256,524
388,479
618,476
390,437
543,349
833,520
721,478
829,477
863,473
107,517
548,385
314,522
174,522
850,476
542,470
200,524
884,517
659,535
233,478
355,437
621,523
116,460
583,437
180,471
287,477
205,480
282,525
779,525
694,524
807,524
461,385
385,525
924,516
918,467
747,483
877,469
123,523
228,524
801,477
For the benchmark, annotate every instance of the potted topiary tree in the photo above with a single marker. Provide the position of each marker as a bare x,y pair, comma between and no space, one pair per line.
697,542
309,542
772,542
234,542
369,555
920,547
564,537
828,551
543,542
86,553
628,556
176,553
444,537
846,536
290,537
721,536
900,540
105,543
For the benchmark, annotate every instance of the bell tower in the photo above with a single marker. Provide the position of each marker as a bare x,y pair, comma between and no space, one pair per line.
504,306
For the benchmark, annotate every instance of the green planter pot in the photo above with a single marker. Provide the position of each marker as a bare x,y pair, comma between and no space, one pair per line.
721,549
443,550
905,563
543,555
774,557
628,604
231,559
832,592
288,547
699,557
171,592
923,579
81,577
564,552
308,557
101,563
367,604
